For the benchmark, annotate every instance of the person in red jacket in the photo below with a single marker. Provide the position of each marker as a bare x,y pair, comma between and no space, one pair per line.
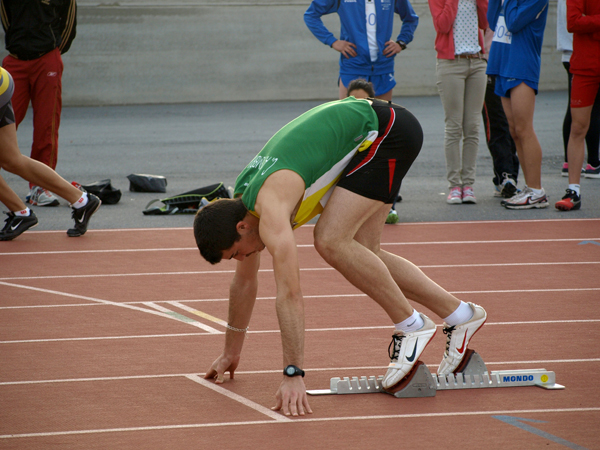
37,33
461,82
583,20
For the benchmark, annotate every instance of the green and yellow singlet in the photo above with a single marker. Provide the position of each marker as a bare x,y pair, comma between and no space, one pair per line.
317,145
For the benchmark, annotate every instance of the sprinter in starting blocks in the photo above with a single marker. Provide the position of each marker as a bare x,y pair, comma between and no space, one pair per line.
472,373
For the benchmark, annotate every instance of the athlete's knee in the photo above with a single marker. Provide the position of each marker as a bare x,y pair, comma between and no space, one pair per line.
326,243
18,165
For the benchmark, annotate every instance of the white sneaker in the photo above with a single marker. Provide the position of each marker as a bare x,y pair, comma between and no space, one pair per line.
41,197
526,199
407,347
458,338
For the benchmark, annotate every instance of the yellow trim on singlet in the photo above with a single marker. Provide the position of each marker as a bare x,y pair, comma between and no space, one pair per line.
4,80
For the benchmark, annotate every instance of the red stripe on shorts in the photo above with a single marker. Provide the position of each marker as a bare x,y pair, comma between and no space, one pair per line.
376,144
392,167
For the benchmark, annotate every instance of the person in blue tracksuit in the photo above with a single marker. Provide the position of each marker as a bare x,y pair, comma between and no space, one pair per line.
515,60
365,41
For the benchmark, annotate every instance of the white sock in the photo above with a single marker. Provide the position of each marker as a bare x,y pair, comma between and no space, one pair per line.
461,314
576,188
81,202
537,191
24,213
413,323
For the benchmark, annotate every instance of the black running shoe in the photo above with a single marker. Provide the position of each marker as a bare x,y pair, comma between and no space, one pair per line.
82,216
15,225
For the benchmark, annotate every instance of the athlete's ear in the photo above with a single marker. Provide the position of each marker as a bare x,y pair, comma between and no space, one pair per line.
242,227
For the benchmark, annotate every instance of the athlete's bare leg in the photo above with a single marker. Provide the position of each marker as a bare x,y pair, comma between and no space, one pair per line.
352,246
519,109
9,198
31,170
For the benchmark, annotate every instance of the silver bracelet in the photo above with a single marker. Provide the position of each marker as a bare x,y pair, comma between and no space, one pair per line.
239,330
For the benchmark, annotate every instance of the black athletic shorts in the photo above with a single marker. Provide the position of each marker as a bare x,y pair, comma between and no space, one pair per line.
377,172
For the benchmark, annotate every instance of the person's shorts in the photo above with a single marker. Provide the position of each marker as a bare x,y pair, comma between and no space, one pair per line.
504,85
381,83
377,172
584,90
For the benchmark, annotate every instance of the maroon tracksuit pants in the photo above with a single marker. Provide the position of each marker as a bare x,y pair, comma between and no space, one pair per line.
39,81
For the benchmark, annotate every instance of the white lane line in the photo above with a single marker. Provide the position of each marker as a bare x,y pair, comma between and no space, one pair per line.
304,420
202,314
306,269
186,249
92,299
308,330
196,300
238,398
278,371
91,252
183,318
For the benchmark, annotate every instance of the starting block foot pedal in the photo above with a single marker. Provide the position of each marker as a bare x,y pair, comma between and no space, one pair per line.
471,364
417,383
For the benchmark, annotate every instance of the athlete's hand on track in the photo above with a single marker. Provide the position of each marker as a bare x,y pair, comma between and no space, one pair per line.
292,398
348,49
221,365
391,48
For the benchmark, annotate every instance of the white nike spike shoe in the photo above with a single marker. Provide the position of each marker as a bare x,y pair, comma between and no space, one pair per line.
458,337
405,350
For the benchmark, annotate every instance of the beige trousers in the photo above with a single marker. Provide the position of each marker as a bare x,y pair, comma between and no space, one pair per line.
461,84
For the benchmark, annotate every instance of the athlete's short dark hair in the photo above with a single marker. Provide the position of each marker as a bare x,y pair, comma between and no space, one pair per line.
215,227
360,83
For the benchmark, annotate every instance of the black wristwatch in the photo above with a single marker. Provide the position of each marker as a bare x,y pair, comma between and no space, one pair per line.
401,44
293,371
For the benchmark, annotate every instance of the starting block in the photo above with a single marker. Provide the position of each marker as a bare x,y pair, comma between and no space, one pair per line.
472,373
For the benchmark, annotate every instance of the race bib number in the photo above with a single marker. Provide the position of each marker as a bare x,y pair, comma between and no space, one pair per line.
502,34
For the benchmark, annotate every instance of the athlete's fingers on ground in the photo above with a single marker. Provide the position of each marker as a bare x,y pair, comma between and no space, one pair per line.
278,405
306,405
290,404
210,374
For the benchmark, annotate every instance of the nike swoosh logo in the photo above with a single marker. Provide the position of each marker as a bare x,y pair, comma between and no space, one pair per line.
411,358
462,348
82,217
14,227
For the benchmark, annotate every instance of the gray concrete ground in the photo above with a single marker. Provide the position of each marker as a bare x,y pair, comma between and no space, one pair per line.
195,145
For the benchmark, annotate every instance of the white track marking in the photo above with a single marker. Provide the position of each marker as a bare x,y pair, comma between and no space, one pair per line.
504,291
278,371
96,300
183,318
308,330
198,313
278,417
304,420
195,249
306,269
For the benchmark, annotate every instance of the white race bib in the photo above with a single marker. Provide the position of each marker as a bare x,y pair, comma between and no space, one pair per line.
501,34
